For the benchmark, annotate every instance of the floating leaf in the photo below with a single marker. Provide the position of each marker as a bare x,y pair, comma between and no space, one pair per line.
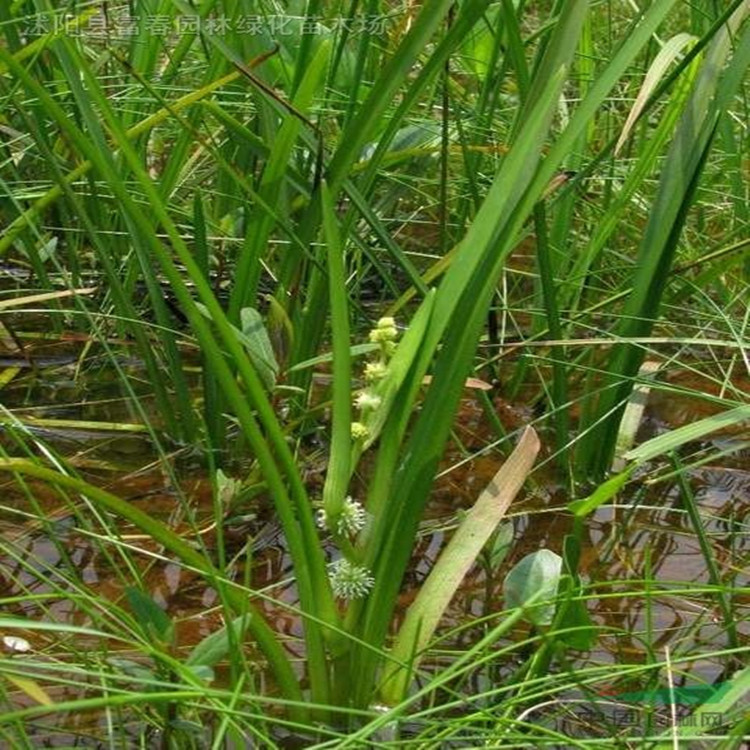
473,383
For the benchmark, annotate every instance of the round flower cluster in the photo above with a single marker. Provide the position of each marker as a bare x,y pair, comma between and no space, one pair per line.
351,520
367,401
359,431
385,330
350,581
375,371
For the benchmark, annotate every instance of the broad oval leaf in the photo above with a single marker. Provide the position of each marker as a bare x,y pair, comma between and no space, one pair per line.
533,583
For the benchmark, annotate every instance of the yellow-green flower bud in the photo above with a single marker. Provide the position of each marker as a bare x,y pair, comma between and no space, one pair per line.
384,331
375,371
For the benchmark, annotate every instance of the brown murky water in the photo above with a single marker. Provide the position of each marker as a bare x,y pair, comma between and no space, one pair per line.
625,544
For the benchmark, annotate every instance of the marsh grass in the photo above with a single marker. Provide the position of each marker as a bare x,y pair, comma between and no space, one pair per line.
542,194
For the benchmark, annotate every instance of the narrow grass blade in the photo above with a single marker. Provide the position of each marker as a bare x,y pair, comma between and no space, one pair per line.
338,475
667,55
673,439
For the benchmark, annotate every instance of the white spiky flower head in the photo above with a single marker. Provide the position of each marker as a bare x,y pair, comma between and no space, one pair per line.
350,581
368,401
351,520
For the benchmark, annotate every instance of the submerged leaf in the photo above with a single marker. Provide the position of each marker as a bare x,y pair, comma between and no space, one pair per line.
500,544
151,617
577,616
227,488
215,647
725,704
202,672
133,669
633,416
674,439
